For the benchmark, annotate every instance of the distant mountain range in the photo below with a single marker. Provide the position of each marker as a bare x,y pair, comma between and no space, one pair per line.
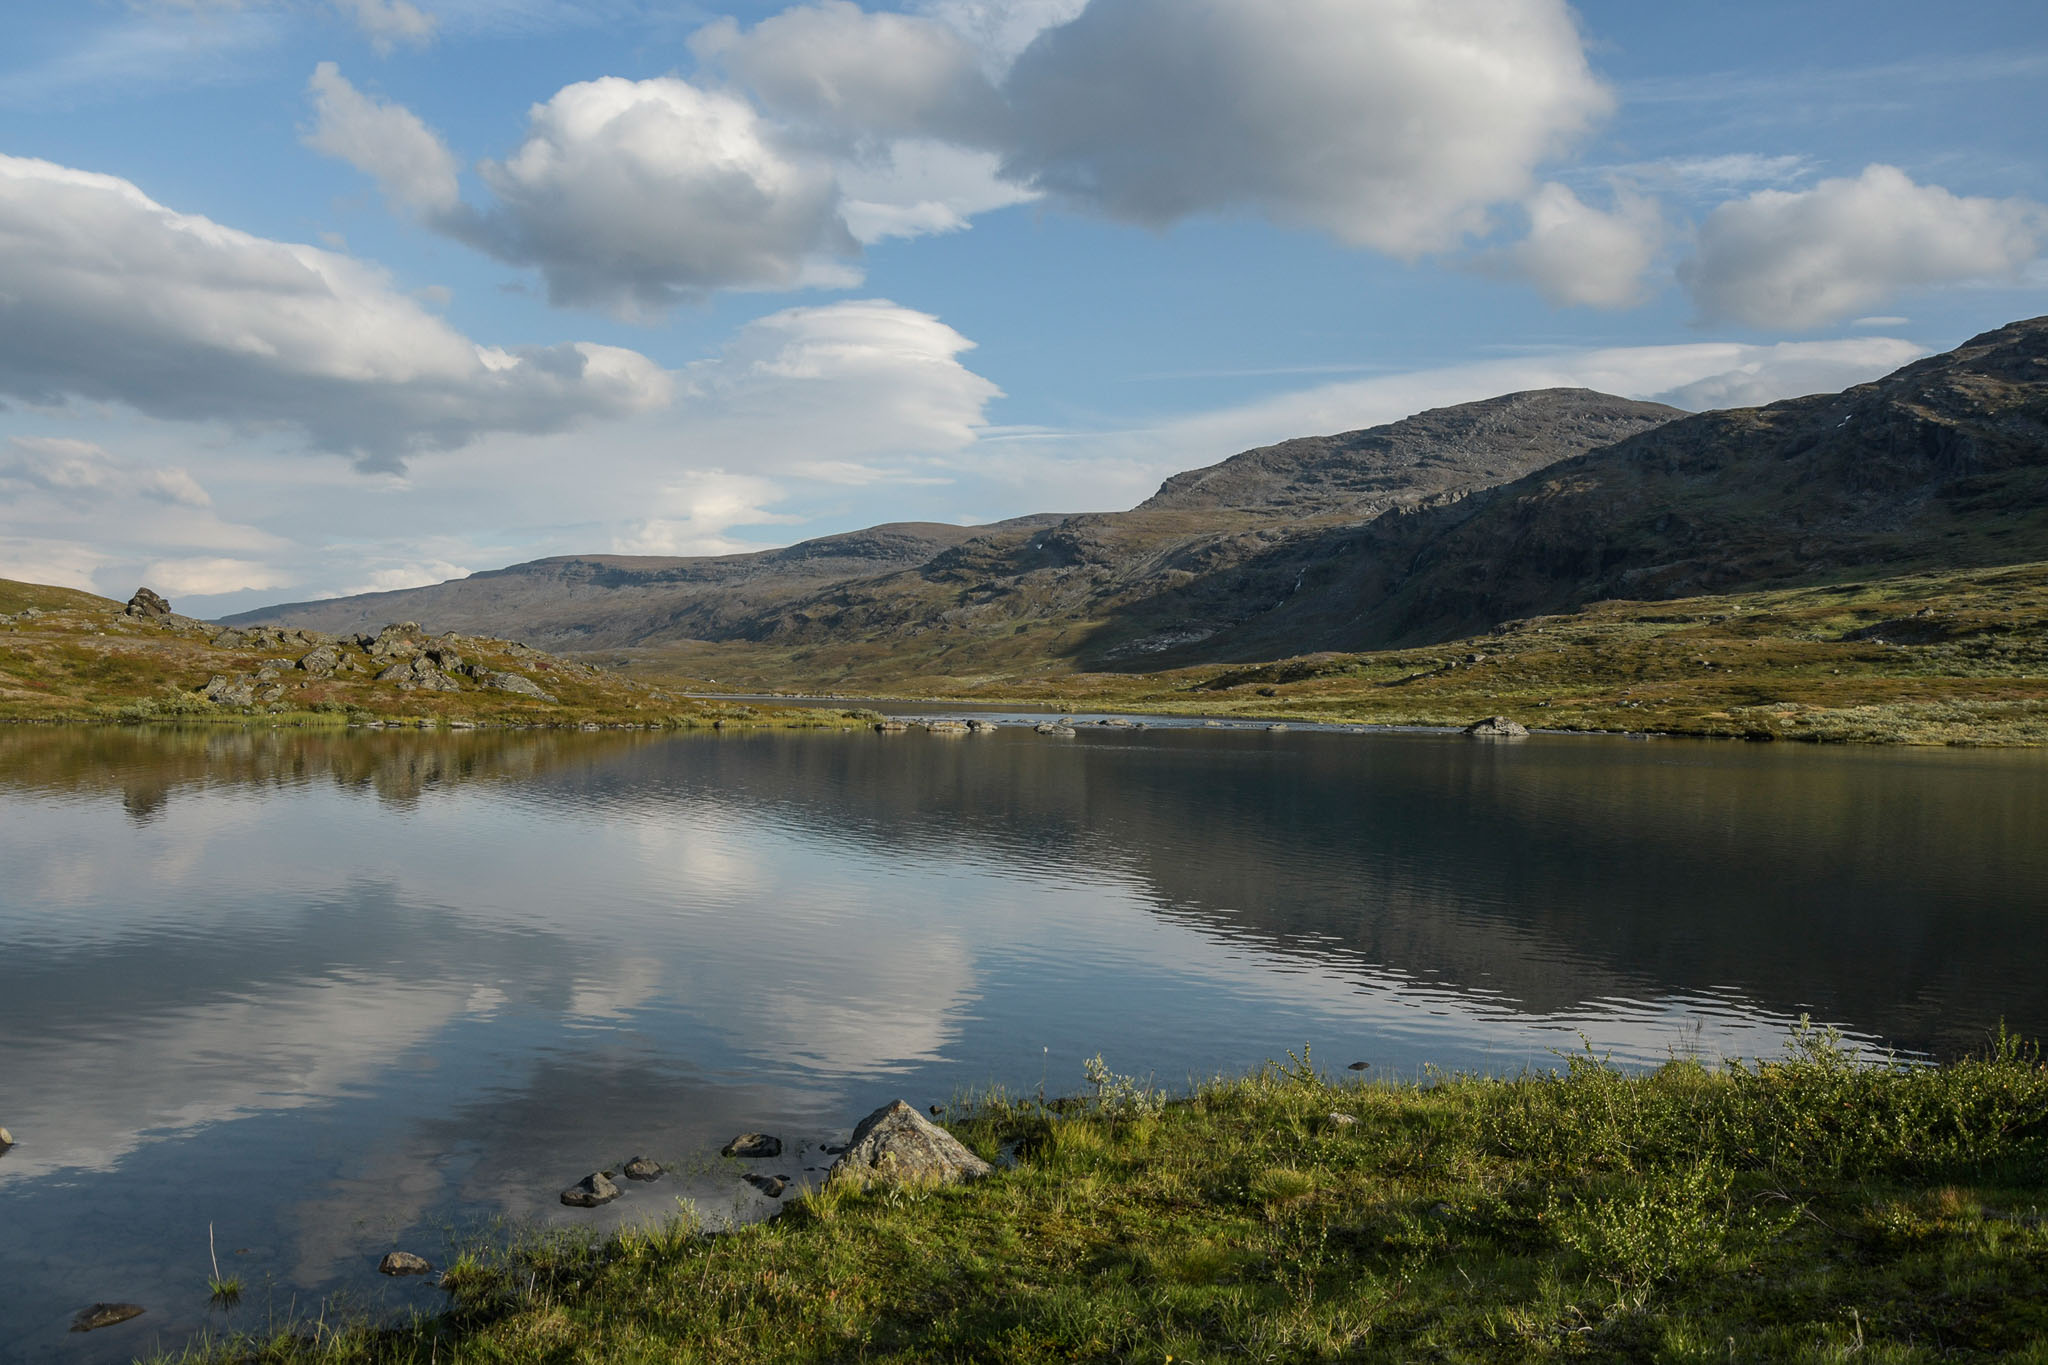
1422,530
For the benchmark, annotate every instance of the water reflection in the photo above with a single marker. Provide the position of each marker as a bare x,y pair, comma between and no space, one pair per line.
332,990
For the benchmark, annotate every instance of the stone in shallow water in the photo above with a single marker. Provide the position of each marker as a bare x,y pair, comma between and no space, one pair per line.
770,1185
105,1315
896,1145
594,1189
640,1168
753,1144
6,1139
403,1263
1497,727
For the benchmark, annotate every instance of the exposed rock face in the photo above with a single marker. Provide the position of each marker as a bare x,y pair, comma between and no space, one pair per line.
753,1144
513,683
146,606
105,1315
1497,727
403,1263
896,1145
589,1192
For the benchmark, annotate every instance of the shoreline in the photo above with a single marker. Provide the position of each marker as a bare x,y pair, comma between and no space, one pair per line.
1799,1207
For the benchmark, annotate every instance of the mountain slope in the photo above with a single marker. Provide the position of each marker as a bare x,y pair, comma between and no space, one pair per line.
991,595
1941,465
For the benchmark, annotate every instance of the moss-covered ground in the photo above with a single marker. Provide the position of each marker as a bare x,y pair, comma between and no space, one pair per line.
1814,1208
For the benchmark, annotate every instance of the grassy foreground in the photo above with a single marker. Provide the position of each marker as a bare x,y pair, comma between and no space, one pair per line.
1809,1209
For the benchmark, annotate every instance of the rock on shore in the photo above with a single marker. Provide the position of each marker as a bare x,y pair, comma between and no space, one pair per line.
896,1145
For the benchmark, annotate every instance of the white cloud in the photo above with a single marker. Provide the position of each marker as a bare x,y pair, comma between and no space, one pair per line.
1788,260
1577,255
386,22
1394,126
1719,174
81,471
384,140
846,381
1001,29
413,575
849,74
212,575
635,196
692,513
107,295
917,187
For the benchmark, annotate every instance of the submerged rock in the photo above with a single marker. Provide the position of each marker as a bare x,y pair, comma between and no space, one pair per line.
1050,729
105,1315
640,1168
403,1263
752,1144
594,1189
896,1145
770,1185
1497,727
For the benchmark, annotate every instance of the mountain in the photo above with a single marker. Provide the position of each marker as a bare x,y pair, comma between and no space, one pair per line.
1435,527
994,593
598,601
1940,465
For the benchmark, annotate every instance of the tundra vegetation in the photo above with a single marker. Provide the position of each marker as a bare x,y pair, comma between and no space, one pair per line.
1820,1206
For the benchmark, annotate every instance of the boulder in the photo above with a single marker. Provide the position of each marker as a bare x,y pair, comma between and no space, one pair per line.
640,1168
321,662
105,1315
1048,728
6,1139
946,727
770,1185
225,691
513,683
896,1145
403,1263
1497,727
146,606
752,1144
594,1189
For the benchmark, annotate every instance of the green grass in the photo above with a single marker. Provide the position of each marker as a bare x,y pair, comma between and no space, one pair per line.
1814,1208
1933,658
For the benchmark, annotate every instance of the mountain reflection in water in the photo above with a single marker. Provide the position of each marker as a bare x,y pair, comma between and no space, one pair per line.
338,991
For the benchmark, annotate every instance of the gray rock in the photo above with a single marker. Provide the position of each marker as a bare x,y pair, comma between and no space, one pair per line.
891,727
640,1168
946,727
896,1145
1497,727
1341,1120
1276,728
105,1315
321,662
981,727
513,683
224,691
403,1263
1048,728
146,606
1359,1066
770,1185
594,1189
752,1144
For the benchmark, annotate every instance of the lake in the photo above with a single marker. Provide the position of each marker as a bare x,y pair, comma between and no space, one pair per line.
336,993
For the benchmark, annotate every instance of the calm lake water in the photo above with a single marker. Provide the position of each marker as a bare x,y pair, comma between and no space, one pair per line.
336,994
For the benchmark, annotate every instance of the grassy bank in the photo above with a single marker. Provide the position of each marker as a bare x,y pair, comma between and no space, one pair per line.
1809,1209
1935,658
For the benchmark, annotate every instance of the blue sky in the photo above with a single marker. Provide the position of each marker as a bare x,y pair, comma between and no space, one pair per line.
300,297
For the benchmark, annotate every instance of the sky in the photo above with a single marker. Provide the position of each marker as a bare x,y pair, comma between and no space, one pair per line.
309,297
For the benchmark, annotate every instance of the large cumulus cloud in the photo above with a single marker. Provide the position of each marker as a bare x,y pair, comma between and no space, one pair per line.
108,295
1791,259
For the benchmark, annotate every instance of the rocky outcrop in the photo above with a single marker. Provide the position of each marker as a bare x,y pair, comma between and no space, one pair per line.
1497,727
896,1145
146,606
